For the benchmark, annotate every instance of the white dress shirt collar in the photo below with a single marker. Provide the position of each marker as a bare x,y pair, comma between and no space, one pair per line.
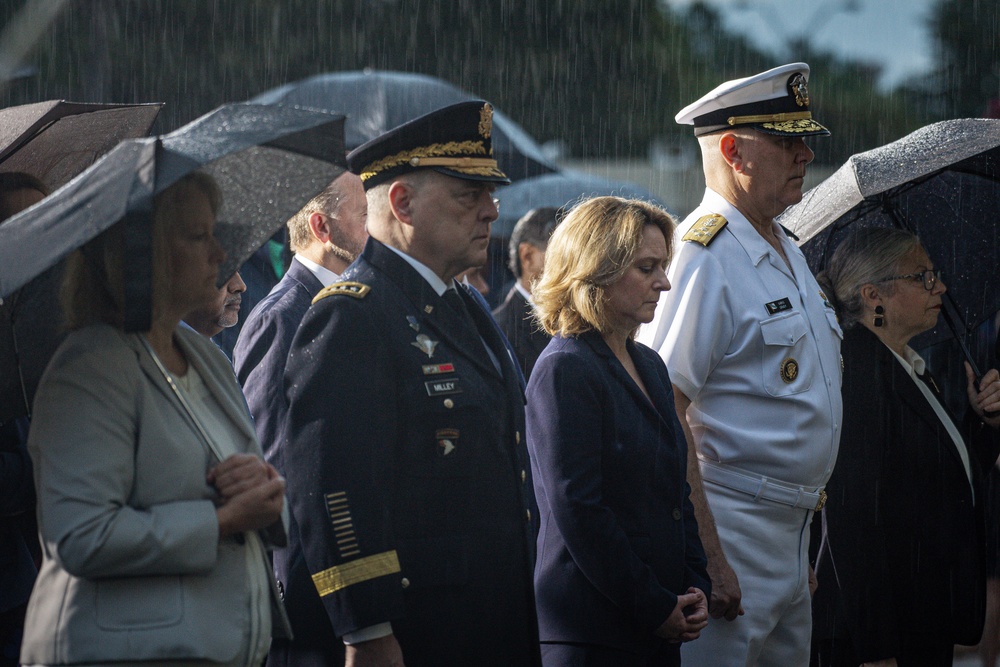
323,274
432,278
524,292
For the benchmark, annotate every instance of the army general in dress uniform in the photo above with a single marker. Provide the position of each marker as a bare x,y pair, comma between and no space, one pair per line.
406,463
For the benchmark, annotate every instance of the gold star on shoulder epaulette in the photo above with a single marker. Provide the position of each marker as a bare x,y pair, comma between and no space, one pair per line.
705,229
347,288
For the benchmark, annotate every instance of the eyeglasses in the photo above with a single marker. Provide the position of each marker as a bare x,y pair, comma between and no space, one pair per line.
930,278
471,199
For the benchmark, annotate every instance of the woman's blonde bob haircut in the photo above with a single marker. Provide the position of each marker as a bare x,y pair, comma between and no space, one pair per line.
93,288
591,249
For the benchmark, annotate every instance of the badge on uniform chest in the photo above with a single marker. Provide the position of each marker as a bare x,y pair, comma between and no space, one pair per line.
425,344
443,387
447,440
779,306
789,370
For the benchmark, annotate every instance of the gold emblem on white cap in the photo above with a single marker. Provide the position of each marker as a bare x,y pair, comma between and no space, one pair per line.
801,91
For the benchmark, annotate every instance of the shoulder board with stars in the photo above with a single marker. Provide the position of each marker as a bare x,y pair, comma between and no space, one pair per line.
356,290
705,229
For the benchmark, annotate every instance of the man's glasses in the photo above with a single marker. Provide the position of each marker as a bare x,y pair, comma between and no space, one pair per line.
470,199
930,278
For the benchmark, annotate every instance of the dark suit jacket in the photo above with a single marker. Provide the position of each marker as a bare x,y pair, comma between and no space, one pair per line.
514,318
259,276
904,551
17,510
407,473
618,540
259,358
262,349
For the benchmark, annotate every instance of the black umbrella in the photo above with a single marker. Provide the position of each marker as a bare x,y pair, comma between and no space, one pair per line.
53,141
268,161
940,182
56,140
558,190
378,101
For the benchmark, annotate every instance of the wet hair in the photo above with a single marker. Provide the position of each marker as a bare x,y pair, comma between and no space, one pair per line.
590,250
865,256
93,287
534,228
12,181
327,202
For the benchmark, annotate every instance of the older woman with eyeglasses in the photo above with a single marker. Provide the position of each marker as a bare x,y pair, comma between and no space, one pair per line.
901,562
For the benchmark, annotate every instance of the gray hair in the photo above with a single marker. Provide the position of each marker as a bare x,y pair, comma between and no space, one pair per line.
534,228
378,202
379,210
866,256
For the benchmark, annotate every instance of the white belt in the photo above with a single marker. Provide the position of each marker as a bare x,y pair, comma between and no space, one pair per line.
806,497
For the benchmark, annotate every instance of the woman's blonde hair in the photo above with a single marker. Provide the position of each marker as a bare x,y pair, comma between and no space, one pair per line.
93,288
590,250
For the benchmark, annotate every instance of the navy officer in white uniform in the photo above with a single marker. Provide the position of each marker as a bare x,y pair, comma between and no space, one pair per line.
753,349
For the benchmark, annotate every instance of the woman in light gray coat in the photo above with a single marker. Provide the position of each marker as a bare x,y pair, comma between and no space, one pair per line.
155,506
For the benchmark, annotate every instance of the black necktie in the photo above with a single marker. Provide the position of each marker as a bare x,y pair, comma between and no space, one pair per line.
454,300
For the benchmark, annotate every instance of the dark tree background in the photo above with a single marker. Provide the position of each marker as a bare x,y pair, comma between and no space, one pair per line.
605,77
967,82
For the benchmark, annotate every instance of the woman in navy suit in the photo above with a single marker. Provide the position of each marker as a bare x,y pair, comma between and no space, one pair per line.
901,568
620,574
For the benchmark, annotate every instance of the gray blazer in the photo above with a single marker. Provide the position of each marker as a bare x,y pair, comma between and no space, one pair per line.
133,567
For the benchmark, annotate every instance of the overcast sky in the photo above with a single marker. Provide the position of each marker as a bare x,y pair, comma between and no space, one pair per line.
892,33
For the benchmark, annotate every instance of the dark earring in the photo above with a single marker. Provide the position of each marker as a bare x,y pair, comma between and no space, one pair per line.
879,320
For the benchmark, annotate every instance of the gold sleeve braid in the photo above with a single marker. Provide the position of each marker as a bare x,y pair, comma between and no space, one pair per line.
355,572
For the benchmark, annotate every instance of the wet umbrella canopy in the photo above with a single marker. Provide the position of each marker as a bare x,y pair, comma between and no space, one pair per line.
56,140
557,190
375,102
52,141
940,182
268,161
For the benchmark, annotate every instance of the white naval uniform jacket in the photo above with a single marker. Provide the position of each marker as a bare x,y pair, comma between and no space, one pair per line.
755,347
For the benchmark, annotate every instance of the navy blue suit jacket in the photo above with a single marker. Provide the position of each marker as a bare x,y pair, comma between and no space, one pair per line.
407,474
259,358
618,540
262,349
